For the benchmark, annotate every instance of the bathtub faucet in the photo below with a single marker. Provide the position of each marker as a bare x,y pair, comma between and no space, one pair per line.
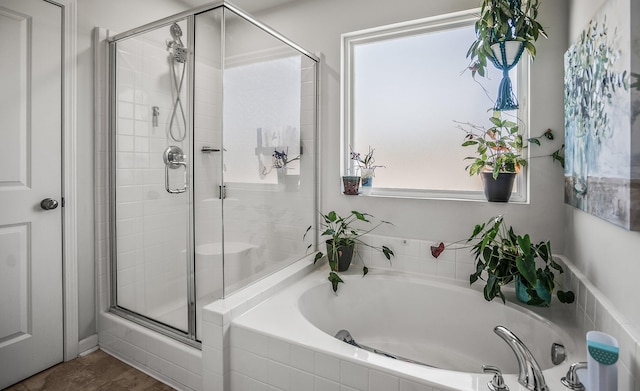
529,372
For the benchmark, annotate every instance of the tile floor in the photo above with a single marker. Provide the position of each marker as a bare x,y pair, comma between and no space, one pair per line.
97,371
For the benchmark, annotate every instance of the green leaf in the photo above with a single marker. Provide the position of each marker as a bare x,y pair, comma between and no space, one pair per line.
470,142
365,270
525,244
490,288
567,297
360,216
328,232
317,257
478,228
527,268
534,299
335,279
534,141
332,216
496,121
388,253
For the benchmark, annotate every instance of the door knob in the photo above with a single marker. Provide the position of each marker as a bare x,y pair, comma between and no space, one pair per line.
48,204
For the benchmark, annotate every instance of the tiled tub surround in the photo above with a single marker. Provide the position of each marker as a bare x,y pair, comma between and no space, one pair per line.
249,358
453,323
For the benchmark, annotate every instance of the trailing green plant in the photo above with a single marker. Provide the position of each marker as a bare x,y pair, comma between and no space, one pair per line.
501,256
504,20
500,147
344,231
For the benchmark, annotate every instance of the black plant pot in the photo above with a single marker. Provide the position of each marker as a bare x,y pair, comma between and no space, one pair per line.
344,254
498,190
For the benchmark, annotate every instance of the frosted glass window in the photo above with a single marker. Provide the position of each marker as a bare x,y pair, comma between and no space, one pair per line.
405,92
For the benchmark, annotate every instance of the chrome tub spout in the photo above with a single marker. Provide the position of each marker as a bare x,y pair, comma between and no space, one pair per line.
529,372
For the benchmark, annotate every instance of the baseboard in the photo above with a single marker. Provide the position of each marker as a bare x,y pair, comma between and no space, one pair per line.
88,345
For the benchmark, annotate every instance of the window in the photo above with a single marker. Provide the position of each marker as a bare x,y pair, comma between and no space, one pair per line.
405,94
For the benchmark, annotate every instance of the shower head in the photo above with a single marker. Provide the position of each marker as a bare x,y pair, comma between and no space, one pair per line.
176,32
179,52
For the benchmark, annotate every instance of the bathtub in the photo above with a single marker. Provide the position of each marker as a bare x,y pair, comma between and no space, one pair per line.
445,324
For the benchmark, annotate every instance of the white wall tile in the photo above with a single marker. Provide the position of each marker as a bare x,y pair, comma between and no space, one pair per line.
321,384
406,385
446,269
212,359
249,341
279,375
212,381
354,375
301,380
326,366
278,350
380,381
302,358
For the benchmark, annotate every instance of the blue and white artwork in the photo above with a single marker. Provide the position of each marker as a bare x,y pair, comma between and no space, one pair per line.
602,139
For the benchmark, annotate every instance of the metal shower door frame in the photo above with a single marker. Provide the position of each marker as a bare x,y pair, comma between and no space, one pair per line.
189,337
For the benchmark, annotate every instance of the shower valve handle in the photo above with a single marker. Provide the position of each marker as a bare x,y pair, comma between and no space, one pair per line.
497,383
174,158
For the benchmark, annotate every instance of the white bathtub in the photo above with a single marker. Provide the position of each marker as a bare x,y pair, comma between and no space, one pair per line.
444,324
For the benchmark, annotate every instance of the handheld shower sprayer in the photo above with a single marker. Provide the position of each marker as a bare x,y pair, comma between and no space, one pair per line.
178,54
176,33
179,51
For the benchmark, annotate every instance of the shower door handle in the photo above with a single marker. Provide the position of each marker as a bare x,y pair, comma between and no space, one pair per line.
166,179
173,159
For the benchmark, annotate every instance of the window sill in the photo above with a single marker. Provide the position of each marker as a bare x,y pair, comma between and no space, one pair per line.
457,196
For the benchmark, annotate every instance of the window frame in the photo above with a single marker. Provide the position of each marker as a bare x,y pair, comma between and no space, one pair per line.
413,27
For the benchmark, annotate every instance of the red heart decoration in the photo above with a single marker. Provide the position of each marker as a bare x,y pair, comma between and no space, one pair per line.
437,250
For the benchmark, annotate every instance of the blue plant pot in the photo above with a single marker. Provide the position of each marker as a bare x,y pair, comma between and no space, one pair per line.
523,295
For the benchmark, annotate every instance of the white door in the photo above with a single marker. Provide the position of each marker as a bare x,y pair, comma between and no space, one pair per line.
30,172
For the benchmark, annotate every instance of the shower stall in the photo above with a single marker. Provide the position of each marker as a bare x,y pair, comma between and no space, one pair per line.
213,173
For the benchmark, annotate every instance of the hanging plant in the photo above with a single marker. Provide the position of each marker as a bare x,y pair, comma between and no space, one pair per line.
504,30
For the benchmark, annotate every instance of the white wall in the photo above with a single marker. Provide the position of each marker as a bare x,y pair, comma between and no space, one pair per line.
317,26
601,250
607,254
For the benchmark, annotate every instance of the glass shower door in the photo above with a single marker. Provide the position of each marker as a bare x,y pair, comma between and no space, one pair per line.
150,180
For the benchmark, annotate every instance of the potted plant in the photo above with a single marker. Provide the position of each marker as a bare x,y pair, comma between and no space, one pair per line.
499,154
280,161
367,168
504,30
342,236
502,256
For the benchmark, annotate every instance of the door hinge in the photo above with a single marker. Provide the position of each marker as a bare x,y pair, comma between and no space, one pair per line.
62,202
